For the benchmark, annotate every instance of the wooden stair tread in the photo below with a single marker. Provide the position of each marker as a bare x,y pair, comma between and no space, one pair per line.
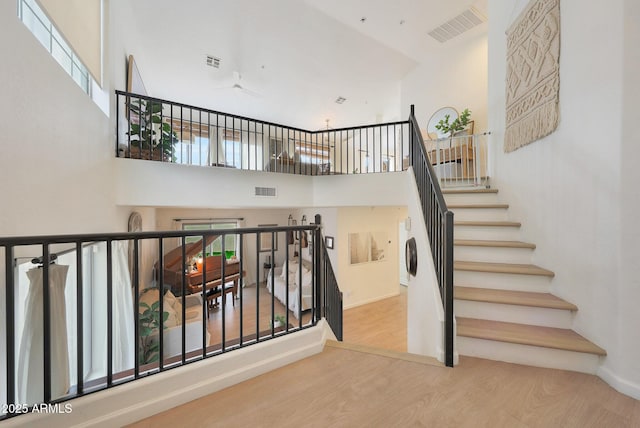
516,268
477,206
487,243
465,191
510,297
487,223
548,337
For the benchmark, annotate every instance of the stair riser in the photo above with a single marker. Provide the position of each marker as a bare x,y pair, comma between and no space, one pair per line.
546,317
492,254
472,198
528,355
480,214
486,233
502,281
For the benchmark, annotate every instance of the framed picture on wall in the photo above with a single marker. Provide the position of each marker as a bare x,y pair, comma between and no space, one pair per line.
358,248
328,242
268,240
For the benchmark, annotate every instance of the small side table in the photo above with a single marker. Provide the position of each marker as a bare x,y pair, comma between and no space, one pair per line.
265,267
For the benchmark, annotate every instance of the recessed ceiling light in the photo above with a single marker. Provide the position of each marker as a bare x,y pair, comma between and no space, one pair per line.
340,100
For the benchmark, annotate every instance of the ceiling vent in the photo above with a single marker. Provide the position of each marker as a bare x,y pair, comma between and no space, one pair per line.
340,100
458,25
269,192
213,61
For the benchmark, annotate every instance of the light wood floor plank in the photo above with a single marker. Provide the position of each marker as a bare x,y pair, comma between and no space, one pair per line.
343,388
346,388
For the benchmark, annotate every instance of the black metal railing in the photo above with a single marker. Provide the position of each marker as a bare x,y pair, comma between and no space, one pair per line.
439,222
155,129
201,281
332,296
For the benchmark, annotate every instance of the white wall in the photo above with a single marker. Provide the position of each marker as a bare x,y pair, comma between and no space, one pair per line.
56,177
425,313
367,282
455,76
58,146
576,190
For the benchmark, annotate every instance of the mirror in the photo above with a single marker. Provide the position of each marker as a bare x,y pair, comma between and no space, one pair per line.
437,117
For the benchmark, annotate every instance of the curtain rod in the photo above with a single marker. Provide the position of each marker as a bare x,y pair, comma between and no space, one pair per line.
209,219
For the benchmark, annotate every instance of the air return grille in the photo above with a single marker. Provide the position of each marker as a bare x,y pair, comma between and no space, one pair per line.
213,61
458,25
269,192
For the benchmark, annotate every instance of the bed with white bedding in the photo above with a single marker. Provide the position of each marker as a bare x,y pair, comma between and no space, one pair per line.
277,285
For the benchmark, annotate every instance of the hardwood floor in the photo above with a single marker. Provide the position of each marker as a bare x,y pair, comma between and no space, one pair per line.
381,324
345,388
232,315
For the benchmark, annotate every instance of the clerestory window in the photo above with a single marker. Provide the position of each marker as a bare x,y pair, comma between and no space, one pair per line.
48,35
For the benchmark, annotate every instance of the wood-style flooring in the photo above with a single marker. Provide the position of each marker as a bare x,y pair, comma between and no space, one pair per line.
345,388
251,320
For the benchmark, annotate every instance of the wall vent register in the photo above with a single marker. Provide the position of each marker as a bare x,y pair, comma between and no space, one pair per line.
265,191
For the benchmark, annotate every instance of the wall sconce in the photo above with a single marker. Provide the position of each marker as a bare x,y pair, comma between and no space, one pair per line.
303,220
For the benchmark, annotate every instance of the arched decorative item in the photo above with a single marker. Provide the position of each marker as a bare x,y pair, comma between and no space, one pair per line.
437,117
135,225
411,256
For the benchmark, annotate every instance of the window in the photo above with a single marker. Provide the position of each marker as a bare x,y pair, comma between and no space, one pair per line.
39,24
232,147
215,248
312,152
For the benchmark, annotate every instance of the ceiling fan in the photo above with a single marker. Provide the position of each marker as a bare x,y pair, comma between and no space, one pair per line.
237,86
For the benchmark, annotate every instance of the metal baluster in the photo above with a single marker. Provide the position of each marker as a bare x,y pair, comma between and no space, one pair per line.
109,244
161,301
79,322
241,280
223,283
10,325
183,292
258,286
205,304
136,308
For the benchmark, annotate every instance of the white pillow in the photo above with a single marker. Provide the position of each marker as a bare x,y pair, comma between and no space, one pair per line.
307,278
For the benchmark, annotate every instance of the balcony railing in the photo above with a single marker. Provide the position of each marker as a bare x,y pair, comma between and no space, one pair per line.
123,306
165,131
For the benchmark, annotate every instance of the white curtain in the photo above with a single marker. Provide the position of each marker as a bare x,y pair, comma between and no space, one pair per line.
30,361
122,309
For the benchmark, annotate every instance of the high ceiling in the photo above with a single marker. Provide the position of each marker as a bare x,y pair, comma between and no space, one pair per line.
299,56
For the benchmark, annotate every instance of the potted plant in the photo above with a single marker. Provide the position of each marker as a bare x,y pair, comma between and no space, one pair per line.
458,124
151,138
149,322
279,321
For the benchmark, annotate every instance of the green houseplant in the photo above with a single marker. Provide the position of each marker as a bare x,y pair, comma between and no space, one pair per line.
149,325
150,136
458,124
279,321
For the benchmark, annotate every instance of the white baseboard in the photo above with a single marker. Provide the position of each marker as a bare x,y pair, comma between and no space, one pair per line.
130,402
375,299
616,382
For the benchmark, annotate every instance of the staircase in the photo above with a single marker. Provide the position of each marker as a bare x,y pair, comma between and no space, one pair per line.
504,310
